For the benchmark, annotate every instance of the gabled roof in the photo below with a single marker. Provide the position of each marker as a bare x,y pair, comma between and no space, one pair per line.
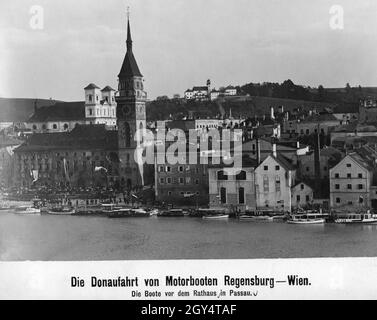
284,162
61,111
321,118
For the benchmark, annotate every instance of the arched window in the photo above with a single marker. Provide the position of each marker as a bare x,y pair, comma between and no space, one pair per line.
66,126
241,175
127,135
241,195
221,175
223,195
34,127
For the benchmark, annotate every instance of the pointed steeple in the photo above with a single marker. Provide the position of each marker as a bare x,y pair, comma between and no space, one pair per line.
129,66
129,38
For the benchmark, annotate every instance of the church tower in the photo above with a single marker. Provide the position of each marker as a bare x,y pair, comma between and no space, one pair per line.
131,116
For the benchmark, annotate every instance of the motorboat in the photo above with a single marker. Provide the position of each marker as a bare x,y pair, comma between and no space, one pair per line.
352,218
171,213
139,213
27,210
214,214
63,211
309,217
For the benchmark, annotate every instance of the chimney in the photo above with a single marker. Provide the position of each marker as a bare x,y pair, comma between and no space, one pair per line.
272,113
258,152
274,152
317,167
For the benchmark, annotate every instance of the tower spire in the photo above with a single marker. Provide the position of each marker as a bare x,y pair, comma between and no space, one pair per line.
129,38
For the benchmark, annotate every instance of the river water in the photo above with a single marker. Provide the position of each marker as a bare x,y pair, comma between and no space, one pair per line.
64,238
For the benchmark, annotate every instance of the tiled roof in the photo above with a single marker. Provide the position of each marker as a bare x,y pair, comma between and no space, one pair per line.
61,111
91,86
85,137
284,162
107,88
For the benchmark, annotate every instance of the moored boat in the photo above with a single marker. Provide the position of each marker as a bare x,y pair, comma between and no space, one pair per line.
307,218
214,214
64,211
27,210
355,218
171,213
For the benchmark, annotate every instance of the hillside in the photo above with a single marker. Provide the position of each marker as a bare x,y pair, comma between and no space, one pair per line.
247,107
20,109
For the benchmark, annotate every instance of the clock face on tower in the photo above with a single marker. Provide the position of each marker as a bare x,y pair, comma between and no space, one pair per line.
127,111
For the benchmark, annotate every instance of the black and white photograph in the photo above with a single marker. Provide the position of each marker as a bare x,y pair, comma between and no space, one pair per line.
189,133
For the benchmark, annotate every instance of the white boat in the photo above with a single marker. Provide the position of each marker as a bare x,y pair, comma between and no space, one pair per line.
248,217
216,216
366,218
27,210
307,218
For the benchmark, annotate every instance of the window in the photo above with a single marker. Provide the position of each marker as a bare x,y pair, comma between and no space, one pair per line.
302,186
241,175
90,98
349,186
337,200
336,175
348,165
277,184
169,193
168,169
241,195
265,184
181,181
65,126
223,195
350,202
361,199
337,186
221,175
54,126
348,175
161,169
34,127
196,181
277,168
298,198
265,168
181,169
168,180
360,186
307,169
360,175
307,198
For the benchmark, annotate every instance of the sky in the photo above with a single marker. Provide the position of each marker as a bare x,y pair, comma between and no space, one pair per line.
181,43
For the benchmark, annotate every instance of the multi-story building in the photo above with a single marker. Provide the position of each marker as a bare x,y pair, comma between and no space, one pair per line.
85,156
232,188
99,107
274,178
302,195
351,180
181,183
